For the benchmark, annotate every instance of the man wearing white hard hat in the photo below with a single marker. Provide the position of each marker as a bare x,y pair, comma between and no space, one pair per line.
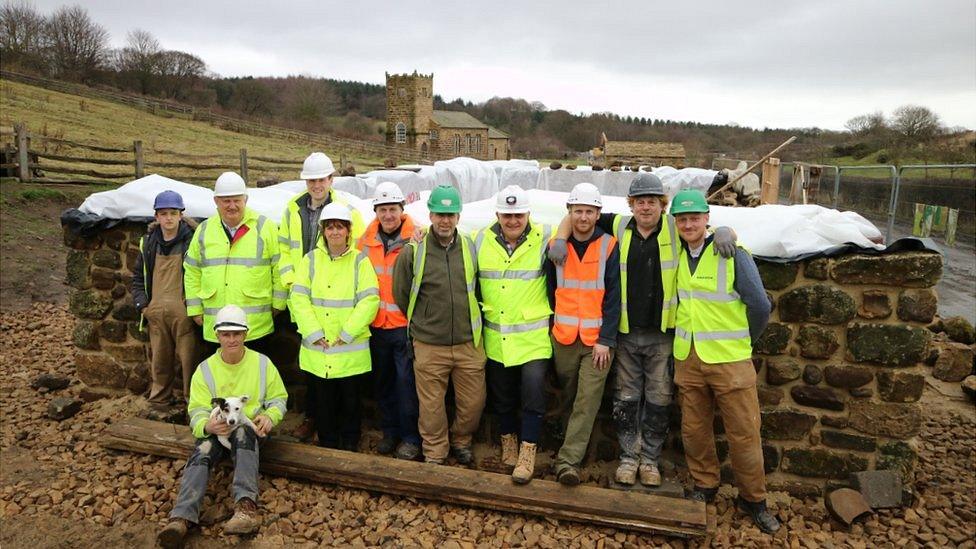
334,299
233,377
232,259
393,377
298,233
585,293
516,310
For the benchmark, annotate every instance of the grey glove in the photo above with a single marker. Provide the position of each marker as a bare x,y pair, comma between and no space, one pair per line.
557,251
723,242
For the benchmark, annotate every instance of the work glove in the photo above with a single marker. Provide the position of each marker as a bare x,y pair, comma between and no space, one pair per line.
723,242
557,251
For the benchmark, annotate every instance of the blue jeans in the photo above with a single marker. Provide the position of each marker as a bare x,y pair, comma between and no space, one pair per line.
208,452
643,394
394,383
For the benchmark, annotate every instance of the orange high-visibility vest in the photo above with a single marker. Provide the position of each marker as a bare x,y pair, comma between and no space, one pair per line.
389,316
579,293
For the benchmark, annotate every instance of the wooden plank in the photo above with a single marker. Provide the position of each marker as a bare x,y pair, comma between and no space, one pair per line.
455,485
769,193
85,160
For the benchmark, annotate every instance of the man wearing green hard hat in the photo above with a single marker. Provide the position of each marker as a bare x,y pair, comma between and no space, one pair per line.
722,309
435,282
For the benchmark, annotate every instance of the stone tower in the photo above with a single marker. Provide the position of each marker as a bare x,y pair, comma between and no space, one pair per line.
409,107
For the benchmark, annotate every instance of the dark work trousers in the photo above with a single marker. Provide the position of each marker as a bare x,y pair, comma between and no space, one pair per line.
338,411
196,473
394,384
508,386
643,394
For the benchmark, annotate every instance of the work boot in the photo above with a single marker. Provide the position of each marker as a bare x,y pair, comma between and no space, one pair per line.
171,537
765,520
626,473
386,446
407,451
649,474
706,495
305,431
510,451
462,454
434,461
349,445
568,476
525,466
245,520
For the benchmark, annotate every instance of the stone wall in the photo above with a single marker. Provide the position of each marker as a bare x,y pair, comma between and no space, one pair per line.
841,367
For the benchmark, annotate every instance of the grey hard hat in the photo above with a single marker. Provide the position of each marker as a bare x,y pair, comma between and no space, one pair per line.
646,184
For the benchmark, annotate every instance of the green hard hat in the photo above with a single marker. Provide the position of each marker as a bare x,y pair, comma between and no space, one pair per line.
689,201
444,199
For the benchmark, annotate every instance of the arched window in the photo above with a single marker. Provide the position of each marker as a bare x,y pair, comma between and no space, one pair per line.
457,143
401,132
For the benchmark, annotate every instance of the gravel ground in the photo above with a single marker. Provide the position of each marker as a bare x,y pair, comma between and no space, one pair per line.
58,488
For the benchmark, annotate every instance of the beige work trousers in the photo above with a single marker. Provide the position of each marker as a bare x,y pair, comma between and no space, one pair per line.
433,366
173,343
731,387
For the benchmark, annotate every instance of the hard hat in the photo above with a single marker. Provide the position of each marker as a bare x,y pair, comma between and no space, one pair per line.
334,210
230,318
388,192
230,184
646,184
317,166
689,201
513,200
169,199
444,199
586,194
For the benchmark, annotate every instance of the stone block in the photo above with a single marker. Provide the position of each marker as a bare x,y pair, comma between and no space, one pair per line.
909,269
881,489
62,408
771,458
917,305
85,334
51,382
75,241
109,259
968,386
817,342
100,370
887,344
801,490
90,304
779,372
131,255
126,311
118,291
887,419
959,329
776,276
820,303
773,340
861,392
769,396
821,463
900,387
786,424
126,352
848,441
817,397
114,238
812,374
837,422
77,269
113,330
874,304
897,456
846,505
102,278
847,377
139,378
955,362
817,269
139,335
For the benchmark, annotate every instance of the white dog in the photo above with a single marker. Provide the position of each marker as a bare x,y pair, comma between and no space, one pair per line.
231,410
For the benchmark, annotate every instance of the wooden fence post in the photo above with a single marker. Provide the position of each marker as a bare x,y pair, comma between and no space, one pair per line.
244,164
23,159
769,190
342,162
140,162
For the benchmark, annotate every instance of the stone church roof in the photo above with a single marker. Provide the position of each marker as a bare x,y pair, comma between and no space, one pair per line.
494,133
457,119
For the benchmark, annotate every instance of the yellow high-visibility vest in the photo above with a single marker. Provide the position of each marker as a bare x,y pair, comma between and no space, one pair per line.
668,247
290,235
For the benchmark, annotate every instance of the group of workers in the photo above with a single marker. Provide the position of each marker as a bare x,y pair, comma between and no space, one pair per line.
654,296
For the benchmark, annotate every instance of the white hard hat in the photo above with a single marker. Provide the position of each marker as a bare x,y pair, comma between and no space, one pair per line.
334,210
512,199
230,184
230,318
388,192
317,166
586,194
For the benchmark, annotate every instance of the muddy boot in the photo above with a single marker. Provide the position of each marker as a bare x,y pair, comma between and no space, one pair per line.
569,476
765,520
172,536
510,452
649,474
305,431
245,519
626,473
525,466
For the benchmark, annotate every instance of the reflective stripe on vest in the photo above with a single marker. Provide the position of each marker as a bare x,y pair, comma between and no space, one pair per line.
470,260
579,293
389,315
263,362
668,249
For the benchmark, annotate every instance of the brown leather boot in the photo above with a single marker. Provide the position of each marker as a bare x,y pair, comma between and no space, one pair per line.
510,452
525,467
172,536
305,431
245,519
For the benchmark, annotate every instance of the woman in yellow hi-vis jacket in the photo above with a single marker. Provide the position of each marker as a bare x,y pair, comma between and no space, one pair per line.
334,299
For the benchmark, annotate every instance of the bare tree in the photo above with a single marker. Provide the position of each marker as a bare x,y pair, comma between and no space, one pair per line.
77,46
140,59
252,97
916,123
867,124
179,73
310,101
21,32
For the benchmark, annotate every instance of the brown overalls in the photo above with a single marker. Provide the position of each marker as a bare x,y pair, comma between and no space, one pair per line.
173,347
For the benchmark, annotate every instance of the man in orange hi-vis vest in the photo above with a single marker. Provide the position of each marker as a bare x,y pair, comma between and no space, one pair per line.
585,292
393,378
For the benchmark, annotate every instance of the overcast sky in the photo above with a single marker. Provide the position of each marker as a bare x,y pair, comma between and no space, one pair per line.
755,63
